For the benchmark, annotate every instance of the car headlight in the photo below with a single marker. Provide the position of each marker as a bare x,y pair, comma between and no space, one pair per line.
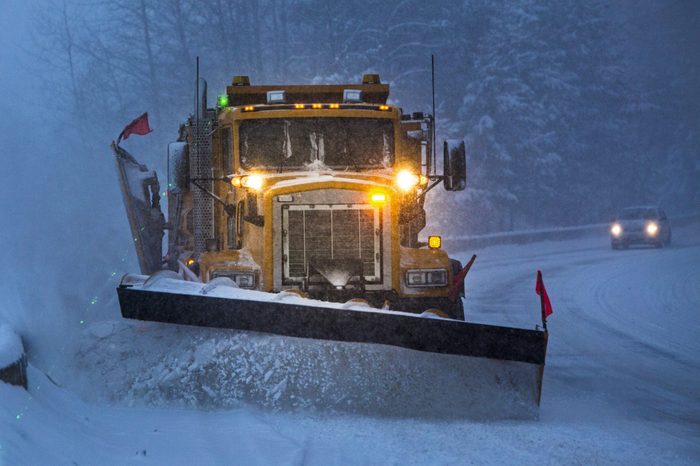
616,229
652,229
242,279
419,278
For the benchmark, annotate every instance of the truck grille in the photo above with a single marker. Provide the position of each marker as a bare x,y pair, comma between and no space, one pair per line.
331,232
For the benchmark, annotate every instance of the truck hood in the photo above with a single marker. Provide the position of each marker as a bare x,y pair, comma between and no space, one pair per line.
312,179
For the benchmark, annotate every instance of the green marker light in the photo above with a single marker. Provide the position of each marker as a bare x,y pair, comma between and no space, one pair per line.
223,101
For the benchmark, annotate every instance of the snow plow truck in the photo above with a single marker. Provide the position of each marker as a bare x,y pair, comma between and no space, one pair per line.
295,210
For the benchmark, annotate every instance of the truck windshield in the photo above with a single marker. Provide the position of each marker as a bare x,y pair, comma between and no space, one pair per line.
296,143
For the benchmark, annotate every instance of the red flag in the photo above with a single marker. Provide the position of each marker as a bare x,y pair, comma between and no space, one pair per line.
542,292
458,280
138,126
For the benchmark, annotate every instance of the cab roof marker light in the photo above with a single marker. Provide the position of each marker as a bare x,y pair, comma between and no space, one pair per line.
352,95
384,107
299,106
316,106
334,106
276,97
222,101
248,108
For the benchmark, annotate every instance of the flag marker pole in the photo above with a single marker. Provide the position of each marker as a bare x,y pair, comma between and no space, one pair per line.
458,279
138,126
544,318
541,293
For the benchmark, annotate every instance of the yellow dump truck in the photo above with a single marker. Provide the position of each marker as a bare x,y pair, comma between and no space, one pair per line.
312,190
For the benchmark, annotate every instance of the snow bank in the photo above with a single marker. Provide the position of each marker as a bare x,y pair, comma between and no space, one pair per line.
51,426
11,349
145,363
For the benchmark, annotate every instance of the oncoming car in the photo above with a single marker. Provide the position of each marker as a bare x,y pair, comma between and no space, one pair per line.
640,225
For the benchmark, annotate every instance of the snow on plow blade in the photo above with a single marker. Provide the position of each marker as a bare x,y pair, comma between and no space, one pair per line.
405,364
141,195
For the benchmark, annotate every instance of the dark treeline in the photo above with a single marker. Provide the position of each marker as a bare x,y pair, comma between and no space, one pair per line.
569,109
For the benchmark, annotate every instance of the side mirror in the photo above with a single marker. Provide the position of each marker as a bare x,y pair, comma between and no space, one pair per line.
455,165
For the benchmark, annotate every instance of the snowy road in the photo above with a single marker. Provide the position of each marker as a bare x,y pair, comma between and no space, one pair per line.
622,382
625,338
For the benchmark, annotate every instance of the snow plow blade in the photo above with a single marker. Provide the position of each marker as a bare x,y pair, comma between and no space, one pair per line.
470,364
141,195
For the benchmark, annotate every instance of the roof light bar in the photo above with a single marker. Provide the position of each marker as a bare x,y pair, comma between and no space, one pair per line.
316,106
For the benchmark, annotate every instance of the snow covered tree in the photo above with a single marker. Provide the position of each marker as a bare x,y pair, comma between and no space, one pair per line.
539,90
543,106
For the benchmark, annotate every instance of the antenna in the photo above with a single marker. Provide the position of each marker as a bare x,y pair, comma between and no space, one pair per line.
196,97
432,72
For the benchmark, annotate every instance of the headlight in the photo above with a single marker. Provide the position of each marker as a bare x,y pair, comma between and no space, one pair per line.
254,182
242,279
426,278
652,229
616,229
406,180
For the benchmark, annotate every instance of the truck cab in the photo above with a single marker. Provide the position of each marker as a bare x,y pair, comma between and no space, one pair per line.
316,189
